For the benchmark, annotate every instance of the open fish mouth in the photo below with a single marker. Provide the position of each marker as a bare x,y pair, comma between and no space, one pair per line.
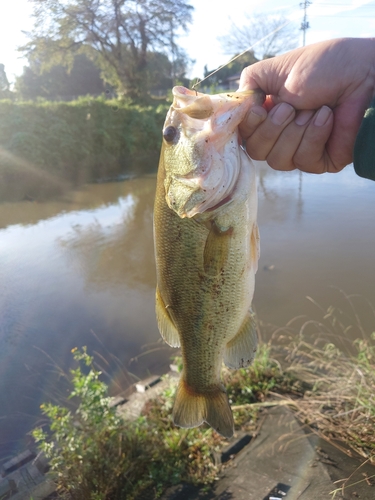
205,139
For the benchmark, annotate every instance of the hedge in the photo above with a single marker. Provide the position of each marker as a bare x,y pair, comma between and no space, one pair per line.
47,144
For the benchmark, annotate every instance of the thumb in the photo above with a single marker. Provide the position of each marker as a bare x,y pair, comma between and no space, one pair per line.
247,80
266,75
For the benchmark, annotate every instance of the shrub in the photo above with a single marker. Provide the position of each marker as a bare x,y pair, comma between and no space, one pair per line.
95,454
79,141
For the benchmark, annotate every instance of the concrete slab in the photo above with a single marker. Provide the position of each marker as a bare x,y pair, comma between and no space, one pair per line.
145,384
18,461
37,492
133,407
280,454
282,462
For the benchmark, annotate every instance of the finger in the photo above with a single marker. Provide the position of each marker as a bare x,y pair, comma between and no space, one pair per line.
341,142
263,139
252,120
267,75
247,80
281,156
311,155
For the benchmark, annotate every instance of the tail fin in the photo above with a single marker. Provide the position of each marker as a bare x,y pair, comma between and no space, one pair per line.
191,409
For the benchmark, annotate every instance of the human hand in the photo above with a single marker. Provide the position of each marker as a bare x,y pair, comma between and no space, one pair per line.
316,98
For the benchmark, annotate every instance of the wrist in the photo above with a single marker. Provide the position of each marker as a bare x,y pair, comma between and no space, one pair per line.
365,55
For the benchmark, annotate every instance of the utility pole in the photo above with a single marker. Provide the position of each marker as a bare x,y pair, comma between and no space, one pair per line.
305,24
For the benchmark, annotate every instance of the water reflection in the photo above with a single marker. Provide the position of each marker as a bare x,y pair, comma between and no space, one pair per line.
316,232
114,251
80,271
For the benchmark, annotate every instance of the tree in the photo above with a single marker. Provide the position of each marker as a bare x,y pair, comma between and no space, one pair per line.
4,83
117,35
164,74
268,34
59,82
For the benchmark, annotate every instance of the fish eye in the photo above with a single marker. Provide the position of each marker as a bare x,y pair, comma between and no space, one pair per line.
169,133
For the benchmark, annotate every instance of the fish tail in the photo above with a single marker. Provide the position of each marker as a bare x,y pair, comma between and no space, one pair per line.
191,409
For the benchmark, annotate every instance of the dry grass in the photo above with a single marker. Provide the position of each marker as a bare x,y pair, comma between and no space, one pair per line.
336,358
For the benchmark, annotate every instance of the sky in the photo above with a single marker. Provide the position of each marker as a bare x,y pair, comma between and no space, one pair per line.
327,19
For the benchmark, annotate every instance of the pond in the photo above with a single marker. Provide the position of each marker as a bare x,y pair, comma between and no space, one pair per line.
80,270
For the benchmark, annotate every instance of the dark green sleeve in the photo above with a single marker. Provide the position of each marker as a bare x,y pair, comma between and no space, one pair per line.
364,148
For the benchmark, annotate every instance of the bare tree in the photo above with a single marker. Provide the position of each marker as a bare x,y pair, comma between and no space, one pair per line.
268,34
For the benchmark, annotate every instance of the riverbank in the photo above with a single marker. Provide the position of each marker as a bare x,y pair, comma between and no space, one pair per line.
292,439
284,460
279,459
328,391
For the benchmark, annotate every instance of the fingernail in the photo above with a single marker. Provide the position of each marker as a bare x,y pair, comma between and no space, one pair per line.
303,117
257,111
256,116
322,116
281,113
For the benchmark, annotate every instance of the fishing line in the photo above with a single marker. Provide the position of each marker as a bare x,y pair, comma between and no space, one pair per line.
242,53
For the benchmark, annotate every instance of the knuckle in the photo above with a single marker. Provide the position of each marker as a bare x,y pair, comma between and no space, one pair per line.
278,164
311,167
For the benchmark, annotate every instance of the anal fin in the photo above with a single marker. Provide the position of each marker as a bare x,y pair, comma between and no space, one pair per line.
240,351
166,326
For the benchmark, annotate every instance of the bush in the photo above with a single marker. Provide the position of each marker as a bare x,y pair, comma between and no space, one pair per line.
79,141
95,454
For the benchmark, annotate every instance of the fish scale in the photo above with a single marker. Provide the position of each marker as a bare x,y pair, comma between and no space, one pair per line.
206,249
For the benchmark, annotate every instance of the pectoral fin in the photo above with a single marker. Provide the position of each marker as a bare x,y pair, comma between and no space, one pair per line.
166,326
216,249
240,351
255,247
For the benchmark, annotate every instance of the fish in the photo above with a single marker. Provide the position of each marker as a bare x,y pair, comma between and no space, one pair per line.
206,243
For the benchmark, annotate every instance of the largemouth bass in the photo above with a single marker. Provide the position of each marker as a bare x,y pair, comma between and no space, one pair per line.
207,249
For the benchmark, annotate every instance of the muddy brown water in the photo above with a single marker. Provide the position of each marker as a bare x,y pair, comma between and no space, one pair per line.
80,271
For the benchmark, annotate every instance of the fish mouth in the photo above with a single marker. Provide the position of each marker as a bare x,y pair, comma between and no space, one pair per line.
209,149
